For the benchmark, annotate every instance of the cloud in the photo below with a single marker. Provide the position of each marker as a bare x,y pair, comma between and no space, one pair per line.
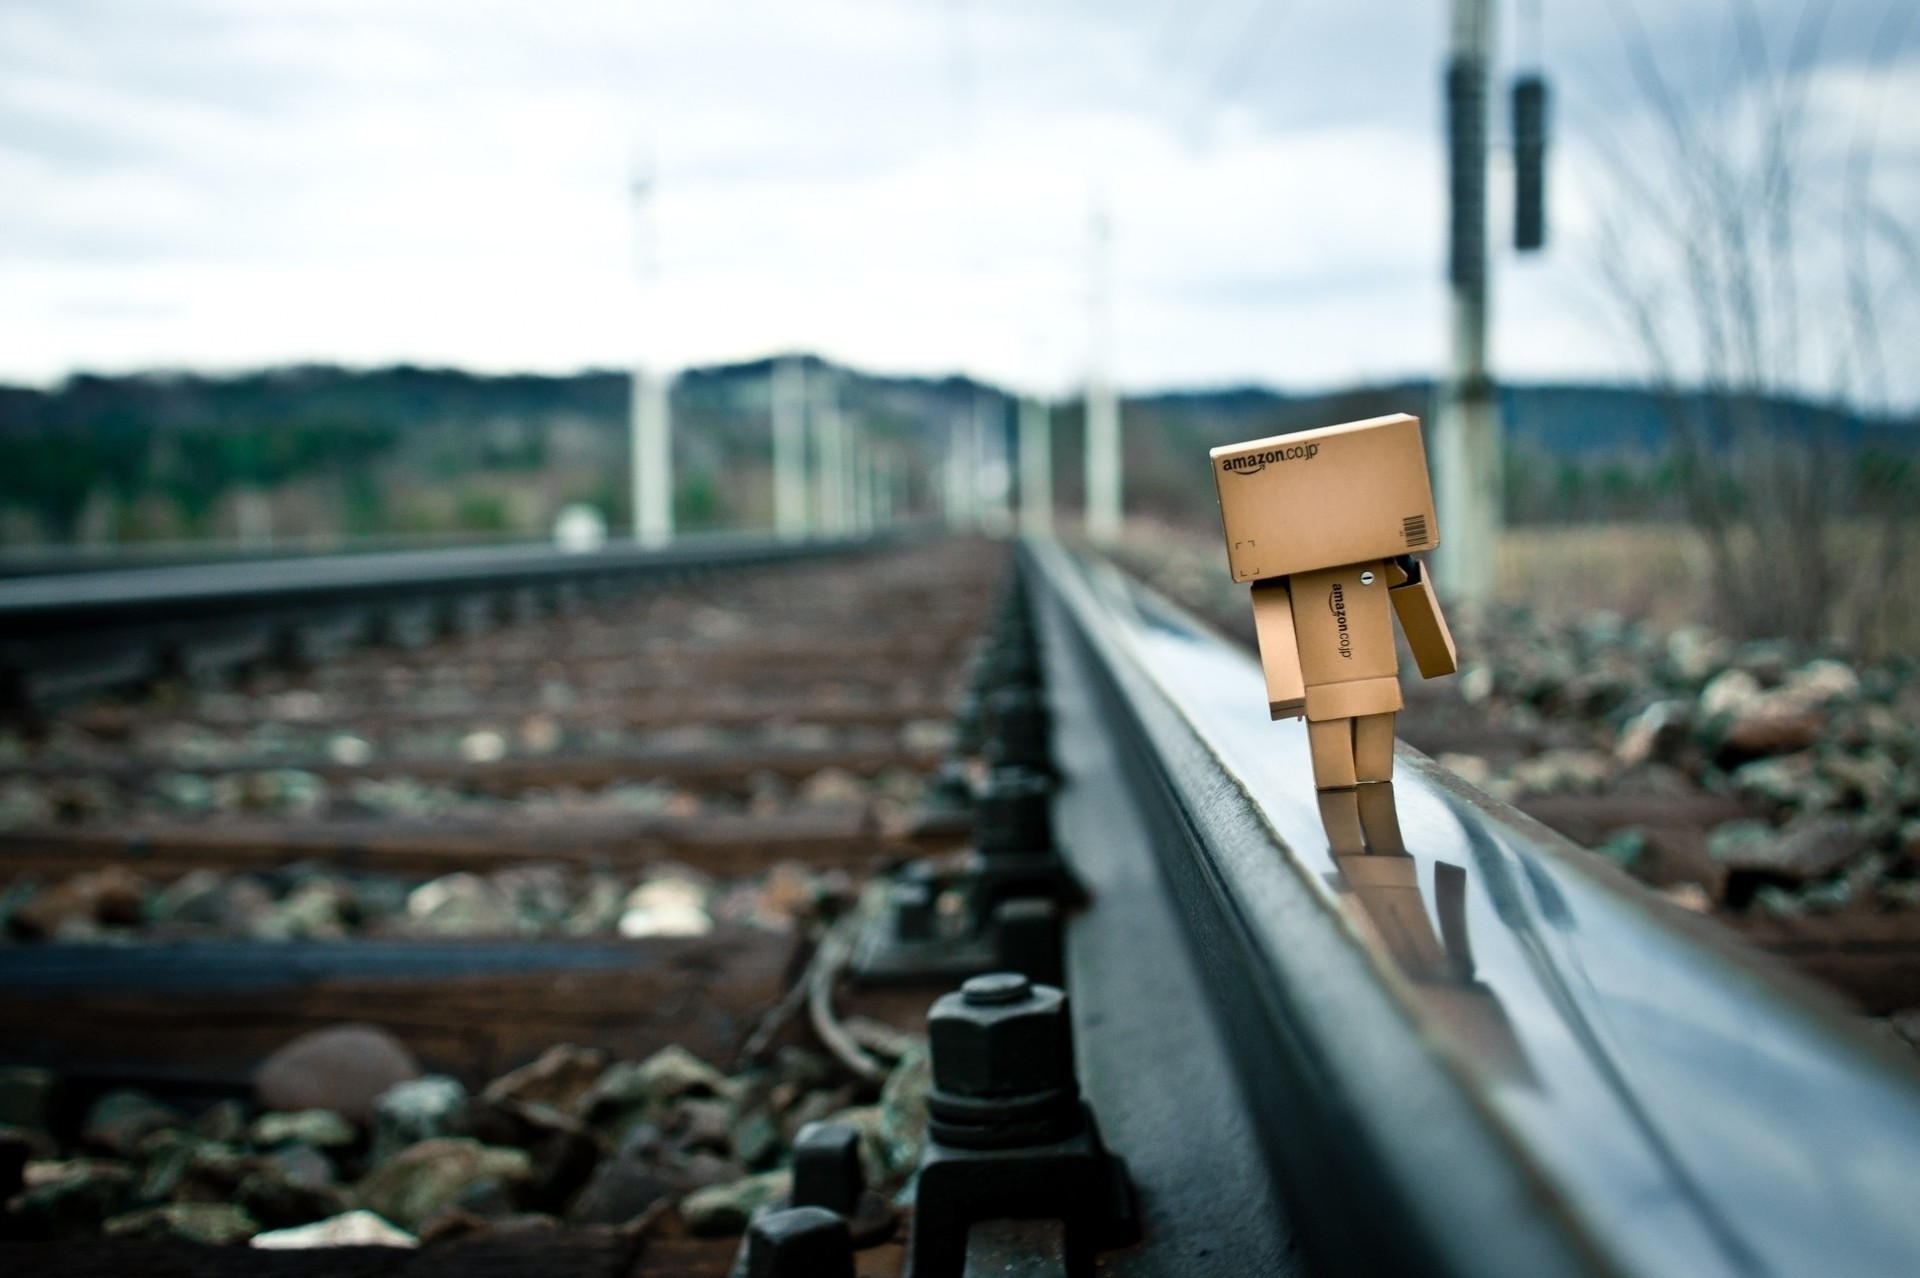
904,184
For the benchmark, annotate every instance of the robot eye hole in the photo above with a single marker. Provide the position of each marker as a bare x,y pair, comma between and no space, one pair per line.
1366,579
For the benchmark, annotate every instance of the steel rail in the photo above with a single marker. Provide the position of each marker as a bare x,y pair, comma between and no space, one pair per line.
1530,1066
73,602
85,630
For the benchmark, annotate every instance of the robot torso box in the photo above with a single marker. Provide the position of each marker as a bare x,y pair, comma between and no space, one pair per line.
1327,497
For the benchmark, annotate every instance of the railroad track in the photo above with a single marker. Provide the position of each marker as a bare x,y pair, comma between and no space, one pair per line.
1412,1034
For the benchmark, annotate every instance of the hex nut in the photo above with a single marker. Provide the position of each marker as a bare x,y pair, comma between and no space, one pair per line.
800,1242
1001,1036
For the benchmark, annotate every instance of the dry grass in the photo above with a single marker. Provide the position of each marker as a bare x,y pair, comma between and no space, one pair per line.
1661,573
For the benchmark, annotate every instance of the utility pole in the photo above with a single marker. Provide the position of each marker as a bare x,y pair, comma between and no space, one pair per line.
1036,467
1467,435
649,408
830,456
990,462
958,472
886,482
1103,501
788,408
862,476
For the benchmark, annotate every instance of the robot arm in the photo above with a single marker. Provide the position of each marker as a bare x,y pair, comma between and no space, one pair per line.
1279,648
1420,618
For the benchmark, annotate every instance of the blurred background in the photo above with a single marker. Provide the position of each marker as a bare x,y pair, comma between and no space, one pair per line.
349,273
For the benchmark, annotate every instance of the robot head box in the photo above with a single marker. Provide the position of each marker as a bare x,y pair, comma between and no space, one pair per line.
1321,498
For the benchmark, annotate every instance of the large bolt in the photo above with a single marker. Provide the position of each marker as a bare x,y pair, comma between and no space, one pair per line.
1013,816
1018,728
826,1168
800,1242
1002,1064
951,786
915,906
1012,665
1026,937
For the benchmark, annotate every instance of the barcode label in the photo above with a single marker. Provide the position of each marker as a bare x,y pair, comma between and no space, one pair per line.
1415,528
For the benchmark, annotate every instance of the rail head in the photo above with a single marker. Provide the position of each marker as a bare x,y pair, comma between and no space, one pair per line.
1469,1048
78,602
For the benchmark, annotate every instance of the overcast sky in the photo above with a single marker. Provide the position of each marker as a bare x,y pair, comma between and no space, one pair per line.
905,185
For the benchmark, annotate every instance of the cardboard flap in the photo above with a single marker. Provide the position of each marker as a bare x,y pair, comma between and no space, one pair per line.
1426,629
1279,648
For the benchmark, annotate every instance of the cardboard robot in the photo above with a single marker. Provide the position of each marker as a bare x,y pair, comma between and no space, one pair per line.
1325,524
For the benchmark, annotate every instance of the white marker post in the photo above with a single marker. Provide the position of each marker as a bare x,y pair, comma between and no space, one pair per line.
1036,467
788,409
1103,478
652,458
830,457
649,409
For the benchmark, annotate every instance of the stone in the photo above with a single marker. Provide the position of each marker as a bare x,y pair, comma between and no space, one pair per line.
649,1087
344,1068
207,901
1823,681
485,746
224,1122
1689,896
559,1077
120,1120
1768,659
1803,850
564,1153
80,905
413,1184
211,1173
460,904
217,1224
18,1147
756,1139
277,1200
349,1229
1863,780
811,1107
316,909
722,1211
1655,734
1729,693
167,1160
1792,782
320,1128
833,788
636,1176
666,907
1624,847
1694,652
785,896
698,1123
416,1110
903,1113
599,909
71,1198
1772,725
540,895
27,1096
1560,771
301,1164
1471,768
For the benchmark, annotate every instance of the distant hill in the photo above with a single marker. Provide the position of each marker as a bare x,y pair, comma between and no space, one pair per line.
405,449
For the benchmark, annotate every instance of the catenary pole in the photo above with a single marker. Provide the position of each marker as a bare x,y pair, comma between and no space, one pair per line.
1467,434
